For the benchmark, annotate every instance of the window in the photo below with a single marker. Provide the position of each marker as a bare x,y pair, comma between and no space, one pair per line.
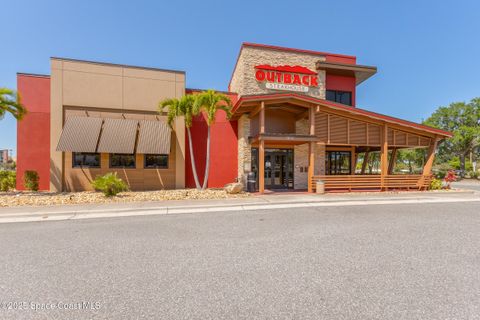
338,162
344,97
121,160
155,161
82,159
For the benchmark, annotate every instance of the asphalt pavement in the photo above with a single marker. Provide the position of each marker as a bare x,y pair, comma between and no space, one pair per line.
402,261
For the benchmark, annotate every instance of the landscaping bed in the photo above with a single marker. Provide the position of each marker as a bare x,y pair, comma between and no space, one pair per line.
13,199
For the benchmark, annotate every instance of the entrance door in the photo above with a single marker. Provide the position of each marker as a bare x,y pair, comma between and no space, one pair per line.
278,168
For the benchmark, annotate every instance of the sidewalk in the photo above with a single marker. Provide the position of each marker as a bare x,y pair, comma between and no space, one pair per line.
255,202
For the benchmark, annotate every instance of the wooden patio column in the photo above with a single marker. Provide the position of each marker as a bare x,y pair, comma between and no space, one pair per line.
384,156
393,160
427,168
311,149
261,151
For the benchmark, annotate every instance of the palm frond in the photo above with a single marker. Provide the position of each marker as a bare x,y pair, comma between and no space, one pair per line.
10,101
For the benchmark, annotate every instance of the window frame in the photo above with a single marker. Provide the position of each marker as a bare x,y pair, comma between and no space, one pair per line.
155,167
328,162
74,166
338,94
110,157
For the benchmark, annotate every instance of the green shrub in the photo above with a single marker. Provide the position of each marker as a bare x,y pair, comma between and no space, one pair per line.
440,174
472,174
30,180
7,180
436,184
109,184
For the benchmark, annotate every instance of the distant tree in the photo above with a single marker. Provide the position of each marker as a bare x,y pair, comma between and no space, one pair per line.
413,159
209,102
463,120
10,102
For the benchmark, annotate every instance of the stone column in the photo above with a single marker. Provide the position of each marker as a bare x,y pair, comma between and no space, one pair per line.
244,149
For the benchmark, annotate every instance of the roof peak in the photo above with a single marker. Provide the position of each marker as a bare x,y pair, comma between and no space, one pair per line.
280,48
116,64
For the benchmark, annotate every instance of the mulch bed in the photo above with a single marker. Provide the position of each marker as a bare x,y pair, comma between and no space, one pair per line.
14,199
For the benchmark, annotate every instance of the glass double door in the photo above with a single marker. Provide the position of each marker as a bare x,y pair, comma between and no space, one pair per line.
278,168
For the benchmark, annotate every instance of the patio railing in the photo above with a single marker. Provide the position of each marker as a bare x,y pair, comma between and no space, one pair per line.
373,182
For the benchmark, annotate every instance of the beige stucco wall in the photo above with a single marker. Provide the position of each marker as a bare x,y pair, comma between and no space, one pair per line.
106,86
243,80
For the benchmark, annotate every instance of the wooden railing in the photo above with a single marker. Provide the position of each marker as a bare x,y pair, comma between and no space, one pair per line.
373,182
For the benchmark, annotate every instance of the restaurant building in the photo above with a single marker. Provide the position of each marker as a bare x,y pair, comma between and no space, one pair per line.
294,122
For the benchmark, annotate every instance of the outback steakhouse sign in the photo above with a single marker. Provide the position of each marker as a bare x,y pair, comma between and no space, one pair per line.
290,78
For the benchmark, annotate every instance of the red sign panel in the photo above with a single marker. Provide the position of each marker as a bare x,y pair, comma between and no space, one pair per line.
291,78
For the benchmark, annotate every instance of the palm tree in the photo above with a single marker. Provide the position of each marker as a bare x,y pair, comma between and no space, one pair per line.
209,102
185,107
10,102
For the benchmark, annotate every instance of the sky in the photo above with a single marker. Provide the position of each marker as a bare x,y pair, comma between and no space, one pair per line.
427,52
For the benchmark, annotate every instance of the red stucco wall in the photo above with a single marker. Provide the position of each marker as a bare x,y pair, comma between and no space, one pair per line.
341,83
223,149
33,132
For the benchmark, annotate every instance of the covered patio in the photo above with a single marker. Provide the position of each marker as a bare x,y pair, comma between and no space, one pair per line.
327,139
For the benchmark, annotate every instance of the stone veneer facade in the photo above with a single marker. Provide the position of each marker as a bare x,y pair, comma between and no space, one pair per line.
244,83
244,148
243,79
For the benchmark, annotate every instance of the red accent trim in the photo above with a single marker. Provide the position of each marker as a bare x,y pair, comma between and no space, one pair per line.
291,69
343,108
341,83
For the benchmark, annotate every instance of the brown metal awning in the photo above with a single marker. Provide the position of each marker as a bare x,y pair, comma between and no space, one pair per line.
80,134
154,137
118,136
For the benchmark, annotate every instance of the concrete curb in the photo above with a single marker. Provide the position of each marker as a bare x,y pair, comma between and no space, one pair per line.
147,211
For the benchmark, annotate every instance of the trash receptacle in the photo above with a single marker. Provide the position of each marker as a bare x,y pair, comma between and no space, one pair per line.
251,182
320,187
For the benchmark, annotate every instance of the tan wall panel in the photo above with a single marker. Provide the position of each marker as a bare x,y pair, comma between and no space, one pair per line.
178,149
145,94
105,86
139,179
180,77
88,67
90,89
56,124
149,74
